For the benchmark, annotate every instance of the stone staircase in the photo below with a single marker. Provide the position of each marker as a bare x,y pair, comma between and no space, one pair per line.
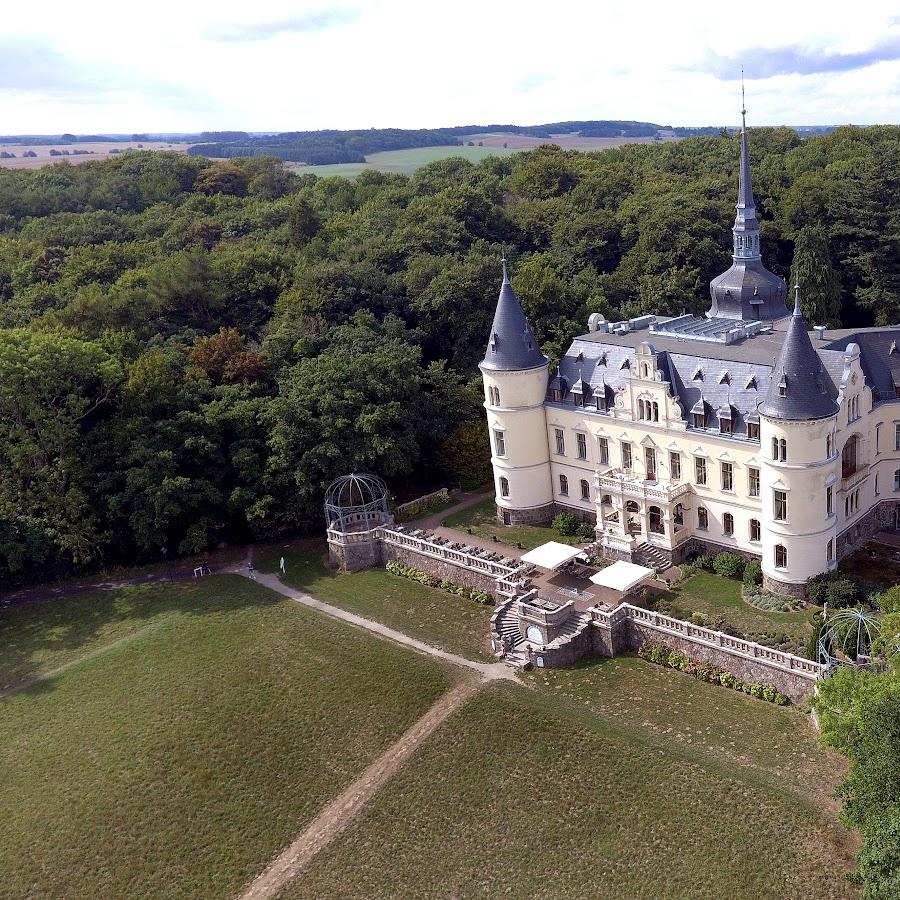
652,557
507,626
574,627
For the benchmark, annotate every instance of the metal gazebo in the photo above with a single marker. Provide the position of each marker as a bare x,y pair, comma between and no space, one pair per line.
356,502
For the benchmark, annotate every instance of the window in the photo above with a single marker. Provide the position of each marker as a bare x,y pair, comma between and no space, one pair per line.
626,456
603,445
496,396
650,463
600,400
728,524
504,487
755,531
897,480
698,420
725,425
853,409
780,506
655,411
678,514
829,501
641,409
560,442
656,520
564,485
876,484
829,444
499,443
849,457
702,518
780,556
700,470
727,476
779,449
829,551
753,430
585,490
897,436
753,482
581,440
675,466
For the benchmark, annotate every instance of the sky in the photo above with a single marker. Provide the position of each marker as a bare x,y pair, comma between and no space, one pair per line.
277,65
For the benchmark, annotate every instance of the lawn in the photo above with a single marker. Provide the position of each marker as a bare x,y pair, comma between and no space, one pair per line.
216,724
431,615
482,519
405,162
714,595
544,793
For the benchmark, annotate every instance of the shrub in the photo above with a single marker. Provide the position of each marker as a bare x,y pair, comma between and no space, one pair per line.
752,573
585,532
404,571
687,570
833,588
698,618
730,565
675,659
704,561
565,523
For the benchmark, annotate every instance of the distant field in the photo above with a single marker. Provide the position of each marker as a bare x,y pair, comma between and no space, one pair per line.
404,162
98,150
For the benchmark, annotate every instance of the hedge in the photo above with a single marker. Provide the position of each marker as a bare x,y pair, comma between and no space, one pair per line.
414,574
675,659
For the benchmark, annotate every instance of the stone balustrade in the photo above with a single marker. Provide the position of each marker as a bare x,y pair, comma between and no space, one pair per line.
621,481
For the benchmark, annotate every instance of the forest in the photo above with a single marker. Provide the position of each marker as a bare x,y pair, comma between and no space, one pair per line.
191,350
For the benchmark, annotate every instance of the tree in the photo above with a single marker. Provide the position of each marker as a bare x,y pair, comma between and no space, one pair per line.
820,287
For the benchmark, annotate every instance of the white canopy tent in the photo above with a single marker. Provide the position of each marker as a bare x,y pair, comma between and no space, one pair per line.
551,555
621,576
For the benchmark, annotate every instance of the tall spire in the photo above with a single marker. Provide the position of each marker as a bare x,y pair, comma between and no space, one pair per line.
512,345
747,290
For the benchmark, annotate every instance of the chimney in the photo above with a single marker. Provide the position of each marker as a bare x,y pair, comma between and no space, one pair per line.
820,331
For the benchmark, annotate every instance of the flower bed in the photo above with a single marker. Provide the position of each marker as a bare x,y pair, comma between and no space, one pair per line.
675,659
411,572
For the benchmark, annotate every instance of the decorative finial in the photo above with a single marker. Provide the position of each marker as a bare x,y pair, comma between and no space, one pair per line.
797,299
743,98
503,261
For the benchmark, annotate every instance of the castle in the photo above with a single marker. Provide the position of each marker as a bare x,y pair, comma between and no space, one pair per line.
741,431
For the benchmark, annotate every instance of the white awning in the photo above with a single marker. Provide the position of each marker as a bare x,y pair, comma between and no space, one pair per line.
551,555
621,576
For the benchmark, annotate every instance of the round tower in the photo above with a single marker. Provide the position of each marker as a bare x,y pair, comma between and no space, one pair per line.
800,467
515,376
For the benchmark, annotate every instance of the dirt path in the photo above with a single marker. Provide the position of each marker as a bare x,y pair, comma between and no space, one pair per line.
337,814
465,501
488,671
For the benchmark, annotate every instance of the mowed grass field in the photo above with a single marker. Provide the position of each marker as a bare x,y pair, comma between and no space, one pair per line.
545,793
97,150
403,162
195,730
439,618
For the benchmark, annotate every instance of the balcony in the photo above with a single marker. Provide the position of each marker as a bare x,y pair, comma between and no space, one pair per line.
627,482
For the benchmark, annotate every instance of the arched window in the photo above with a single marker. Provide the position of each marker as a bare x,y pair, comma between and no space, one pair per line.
585,490
702,518
728,524
782,450
641,409
645,370
564,485
504,487
656,520
496,396
850,457
829,446
606,500
755,530
780,556
775,448
632,507
655,411
678,514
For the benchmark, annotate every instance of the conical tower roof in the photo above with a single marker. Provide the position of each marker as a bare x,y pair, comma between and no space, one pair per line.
799,389
512,345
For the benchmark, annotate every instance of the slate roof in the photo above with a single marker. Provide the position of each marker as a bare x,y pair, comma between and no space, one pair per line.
512,345
749,291
800,389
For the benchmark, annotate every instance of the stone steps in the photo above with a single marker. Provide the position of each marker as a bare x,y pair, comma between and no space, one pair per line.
652,557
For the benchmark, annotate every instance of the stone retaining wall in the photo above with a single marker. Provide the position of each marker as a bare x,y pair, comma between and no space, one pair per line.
794,686
443,569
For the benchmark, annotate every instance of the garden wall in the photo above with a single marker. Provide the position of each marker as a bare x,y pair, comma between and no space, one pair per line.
443,569
795,686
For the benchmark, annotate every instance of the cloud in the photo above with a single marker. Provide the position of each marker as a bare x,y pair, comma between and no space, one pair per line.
533,82
765,62
311,22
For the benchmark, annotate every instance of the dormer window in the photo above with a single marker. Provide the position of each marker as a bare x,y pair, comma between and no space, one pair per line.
724,378
782,386
698,420
601,403
751,384
698,375
626,364
725,425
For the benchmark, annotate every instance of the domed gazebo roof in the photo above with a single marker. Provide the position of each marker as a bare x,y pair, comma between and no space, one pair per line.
356,502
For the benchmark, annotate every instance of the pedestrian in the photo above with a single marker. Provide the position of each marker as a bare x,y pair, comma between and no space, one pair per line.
281,565
251,571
